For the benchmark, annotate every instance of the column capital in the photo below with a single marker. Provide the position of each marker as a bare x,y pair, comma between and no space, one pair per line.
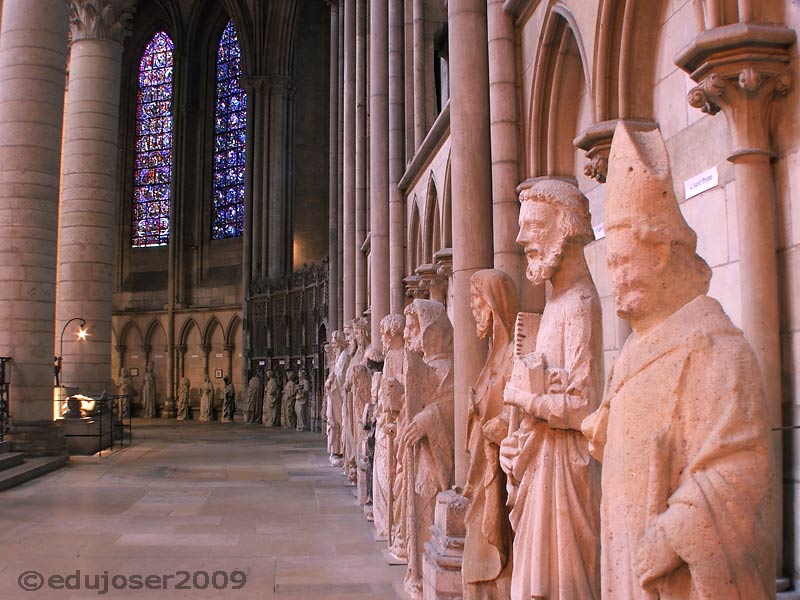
741,70
596,142
101,19
282,84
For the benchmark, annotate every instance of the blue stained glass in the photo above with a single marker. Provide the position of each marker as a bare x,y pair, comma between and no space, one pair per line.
152,174
230,123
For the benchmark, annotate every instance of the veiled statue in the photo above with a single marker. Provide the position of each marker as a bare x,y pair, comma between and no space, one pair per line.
334,389
149,408
184,404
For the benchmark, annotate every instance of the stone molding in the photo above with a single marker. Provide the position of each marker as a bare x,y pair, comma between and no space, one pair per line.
101,19
596,142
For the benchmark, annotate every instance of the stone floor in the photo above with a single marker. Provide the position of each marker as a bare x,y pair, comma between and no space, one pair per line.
195,497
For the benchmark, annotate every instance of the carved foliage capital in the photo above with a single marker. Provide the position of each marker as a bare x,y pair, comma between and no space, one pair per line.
101,19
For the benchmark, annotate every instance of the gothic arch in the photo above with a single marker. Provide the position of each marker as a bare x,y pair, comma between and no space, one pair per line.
554,109
233,329
432,224
152,329
186,329
414,239
211,326
447,208
127,330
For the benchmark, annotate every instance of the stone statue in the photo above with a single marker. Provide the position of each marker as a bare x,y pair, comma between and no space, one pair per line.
184,407
149,393
334,389
125,390
207,400
384,464
272,400
555,486
357,389
427,439
361,397
229,400
253,400
487,561
301,399
287,403
687,508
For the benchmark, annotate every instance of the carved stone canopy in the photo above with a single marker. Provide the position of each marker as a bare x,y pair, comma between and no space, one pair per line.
596,142
101,19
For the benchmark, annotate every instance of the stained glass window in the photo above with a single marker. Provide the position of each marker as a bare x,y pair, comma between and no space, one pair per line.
230,121
153,164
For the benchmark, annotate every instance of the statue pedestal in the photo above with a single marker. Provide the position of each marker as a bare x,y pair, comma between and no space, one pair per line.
170,410
444,551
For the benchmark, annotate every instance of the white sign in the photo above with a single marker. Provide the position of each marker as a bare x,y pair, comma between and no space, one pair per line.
701,183
599,231
218,355
134,356
159,356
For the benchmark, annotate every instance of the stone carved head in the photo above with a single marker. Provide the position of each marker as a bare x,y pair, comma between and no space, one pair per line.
494,302
361,332
428,329
552,214
392,332
649,246
349,336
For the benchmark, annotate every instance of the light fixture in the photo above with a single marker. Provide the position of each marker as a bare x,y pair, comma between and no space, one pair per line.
82,333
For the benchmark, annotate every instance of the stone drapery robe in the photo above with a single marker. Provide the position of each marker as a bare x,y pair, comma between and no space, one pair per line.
488,541
149,395
335,388
271,415
682,436
555,515
384,461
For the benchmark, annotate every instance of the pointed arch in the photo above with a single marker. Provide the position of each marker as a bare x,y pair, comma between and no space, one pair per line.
447,208
208,333
431,224
414,239
561,72
152,330
186,329
130,328
232,329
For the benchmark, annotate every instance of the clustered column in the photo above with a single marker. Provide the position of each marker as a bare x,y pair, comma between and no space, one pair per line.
33,60
88,189
334,282
396,156
281,89
349,158
472,195
361,157
379,163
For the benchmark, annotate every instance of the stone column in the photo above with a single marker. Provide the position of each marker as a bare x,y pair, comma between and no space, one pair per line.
229,348
472,195
334,281
361,157
206,349
279,234
742,69
33,59
379,163
340,167
397,161
508,255
349,175
88,189
251,241
420,57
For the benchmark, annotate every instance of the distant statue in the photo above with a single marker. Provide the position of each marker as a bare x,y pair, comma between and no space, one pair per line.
358,385
207,400
487,546
253,400
334,389
687,505
184,407
272,400
301,399
555,492
229,400
287,402
125,390
149,393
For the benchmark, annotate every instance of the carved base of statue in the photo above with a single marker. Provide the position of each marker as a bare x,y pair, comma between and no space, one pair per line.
170,411
336,460
444,551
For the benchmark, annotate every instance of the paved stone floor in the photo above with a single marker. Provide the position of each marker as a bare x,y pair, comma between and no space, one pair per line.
195,497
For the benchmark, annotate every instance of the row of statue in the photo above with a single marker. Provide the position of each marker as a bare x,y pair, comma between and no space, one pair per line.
658,487
272,406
